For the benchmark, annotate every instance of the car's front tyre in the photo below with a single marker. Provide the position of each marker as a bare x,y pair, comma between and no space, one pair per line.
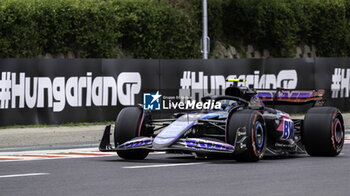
251,145
128,125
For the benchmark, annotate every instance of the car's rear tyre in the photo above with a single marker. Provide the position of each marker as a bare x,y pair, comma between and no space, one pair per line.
323,131
128,125
253,146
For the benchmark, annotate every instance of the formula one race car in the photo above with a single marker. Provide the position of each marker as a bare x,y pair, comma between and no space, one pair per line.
243,128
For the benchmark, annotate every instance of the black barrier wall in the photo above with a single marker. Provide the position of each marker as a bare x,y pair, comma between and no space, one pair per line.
53,91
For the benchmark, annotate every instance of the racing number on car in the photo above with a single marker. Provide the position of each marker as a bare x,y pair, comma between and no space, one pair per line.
288,129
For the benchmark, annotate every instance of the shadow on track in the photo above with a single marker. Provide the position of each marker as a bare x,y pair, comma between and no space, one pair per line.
177,158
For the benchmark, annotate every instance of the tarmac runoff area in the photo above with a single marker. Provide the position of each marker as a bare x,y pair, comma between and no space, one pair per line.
21,139
43,158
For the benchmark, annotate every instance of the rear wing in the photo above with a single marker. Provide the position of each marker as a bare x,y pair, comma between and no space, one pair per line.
292,97
279,96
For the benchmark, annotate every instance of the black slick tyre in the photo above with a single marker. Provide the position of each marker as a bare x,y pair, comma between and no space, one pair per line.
250,129
323,131
128,125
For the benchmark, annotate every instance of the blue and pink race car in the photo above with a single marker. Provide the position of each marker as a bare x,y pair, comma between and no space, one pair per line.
244,128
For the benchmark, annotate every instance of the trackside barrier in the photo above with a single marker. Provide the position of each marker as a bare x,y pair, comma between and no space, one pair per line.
52,91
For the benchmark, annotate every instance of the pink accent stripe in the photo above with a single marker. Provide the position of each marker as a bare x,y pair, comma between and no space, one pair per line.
139,131
226,127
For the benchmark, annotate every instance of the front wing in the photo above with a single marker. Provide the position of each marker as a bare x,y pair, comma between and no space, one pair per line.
198,145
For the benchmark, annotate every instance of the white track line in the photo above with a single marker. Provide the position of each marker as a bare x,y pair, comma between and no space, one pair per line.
23,175
163,165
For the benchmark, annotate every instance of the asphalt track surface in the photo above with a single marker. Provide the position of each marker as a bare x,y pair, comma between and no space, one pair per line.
164,174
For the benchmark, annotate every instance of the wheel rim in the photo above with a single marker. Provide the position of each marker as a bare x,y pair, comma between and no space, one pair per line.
338,132
259,137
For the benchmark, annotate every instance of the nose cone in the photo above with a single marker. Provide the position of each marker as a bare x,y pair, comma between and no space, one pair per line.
160,142
173,132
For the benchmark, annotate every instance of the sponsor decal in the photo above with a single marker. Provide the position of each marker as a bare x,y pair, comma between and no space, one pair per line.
20,91
206,144
288,129
196,85
340,83
286,94
136,143
284,145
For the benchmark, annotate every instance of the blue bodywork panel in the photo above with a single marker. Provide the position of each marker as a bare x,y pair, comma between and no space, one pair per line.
175,130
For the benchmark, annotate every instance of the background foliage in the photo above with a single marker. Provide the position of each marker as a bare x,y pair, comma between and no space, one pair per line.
169,28
93,29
